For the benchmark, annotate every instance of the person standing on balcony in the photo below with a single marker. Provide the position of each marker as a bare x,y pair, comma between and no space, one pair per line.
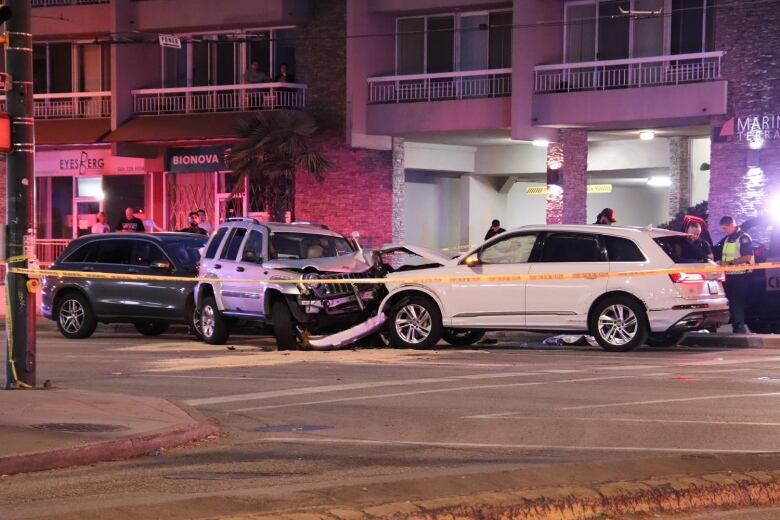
100,226
284,75
254,74
130,223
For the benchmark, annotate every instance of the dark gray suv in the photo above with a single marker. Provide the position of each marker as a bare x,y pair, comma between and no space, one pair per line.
77,304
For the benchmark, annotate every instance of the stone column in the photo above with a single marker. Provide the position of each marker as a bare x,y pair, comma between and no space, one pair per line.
399,186
679,174
566,201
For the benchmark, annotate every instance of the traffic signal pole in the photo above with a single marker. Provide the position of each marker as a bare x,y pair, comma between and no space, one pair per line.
20,244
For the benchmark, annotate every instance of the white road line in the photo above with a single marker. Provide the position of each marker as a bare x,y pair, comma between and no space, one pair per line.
434,391
514,416
478,445
344,387
225,378
677,400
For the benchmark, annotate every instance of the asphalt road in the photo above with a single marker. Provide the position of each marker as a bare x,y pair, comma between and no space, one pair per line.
304,420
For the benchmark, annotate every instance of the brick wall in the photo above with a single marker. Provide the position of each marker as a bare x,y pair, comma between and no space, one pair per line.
748,35
570,207
357,194
679,174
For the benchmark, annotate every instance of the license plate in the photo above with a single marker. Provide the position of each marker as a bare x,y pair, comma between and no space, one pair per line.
713,287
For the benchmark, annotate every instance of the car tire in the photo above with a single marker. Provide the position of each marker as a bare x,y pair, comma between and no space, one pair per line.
151,328
618,323
666,339
462,337
284,327
415,323
214,328
192,317
74,315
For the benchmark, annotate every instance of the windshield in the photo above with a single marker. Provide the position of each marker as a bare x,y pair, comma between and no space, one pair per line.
681,250
186,252
304,246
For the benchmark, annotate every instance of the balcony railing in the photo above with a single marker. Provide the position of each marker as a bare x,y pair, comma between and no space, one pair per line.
440,86
224,98
69,105
628,73
56,3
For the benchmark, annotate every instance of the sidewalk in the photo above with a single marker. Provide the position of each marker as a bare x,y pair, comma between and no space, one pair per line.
48,429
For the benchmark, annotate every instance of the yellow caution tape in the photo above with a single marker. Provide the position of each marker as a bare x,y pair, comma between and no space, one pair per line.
472,278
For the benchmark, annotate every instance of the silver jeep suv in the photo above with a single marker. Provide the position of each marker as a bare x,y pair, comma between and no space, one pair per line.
252,268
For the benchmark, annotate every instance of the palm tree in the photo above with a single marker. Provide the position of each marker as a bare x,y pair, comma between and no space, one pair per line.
275,146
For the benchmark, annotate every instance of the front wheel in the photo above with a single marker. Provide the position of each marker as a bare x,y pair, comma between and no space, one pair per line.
462,337
151,328
75,319
666,339
415,323
619,324
192,318
213,326
285,330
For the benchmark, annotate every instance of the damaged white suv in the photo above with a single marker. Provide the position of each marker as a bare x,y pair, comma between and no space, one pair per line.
252,269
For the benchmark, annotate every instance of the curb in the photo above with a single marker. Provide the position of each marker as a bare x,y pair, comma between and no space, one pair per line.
769,341
125,448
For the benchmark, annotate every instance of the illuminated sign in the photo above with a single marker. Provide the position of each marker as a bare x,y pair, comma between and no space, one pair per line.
87,162
592,189
754,130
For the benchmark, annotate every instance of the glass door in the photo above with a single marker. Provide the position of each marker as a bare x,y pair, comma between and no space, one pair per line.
85,210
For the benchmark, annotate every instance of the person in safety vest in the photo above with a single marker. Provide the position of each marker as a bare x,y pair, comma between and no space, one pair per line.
736,248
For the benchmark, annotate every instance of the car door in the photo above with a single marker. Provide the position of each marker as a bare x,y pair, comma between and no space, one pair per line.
249,296
229,270
493,304
554,303
109,295
154,298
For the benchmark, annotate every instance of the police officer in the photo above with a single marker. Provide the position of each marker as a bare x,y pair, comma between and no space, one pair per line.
736,248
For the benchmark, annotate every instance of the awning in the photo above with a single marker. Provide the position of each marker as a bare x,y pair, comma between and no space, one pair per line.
70,131
178,127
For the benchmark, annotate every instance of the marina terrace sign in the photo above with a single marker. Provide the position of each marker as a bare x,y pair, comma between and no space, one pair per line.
754,130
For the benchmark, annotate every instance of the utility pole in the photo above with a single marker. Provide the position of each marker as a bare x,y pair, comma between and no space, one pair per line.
20,244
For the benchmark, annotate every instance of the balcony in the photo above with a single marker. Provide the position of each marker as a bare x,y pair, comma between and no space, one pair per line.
441,86
628,73
452,101
224,98
69,105
639,92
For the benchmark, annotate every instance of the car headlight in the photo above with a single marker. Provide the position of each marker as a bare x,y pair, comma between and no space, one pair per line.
310,277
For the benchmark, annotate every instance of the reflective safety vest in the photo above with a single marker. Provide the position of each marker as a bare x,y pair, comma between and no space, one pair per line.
731,252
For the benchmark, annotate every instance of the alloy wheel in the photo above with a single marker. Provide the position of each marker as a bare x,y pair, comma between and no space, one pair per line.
413,323
71,316
197,322
618,324
207,321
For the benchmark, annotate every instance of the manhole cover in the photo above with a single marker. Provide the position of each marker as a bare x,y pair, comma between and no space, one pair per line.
225,476
286,428
79,427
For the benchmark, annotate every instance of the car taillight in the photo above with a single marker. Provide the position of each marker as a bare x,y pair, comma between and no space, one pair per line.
687,277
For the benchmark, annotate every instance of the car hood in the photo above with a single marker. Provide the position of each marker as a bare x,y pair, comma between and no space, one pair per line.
353,263
437,256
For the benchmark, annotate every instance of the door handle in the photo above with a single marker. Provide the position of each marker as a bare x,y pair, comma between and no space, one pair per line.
217,266
240,269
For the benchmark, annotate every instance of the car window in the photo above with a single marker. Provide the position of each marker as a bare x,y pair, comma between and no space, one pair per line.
186,252
230,251
571,247
511,250
84,254
681,250
622,250
254,244
115,252
304,246
211,251
147,253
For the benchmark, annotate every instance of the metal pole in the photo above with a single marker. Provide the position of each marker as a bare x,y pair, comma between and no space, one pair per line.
20,311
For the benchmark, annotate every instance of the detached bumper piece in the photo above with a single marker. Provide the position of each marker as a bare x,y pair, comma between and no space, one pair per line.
701,320
349,336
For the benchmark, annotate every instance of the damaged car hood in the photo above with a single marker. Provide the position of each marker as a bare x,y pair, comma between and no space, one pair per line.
352,263
438,256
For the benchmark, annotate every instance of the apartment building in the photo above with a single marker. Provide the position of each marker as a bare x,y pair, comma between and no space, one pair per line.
439,115
538,111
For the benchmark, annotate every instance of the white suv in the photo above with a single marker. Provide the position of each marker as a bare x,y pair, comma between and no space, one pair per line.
245,262
620,312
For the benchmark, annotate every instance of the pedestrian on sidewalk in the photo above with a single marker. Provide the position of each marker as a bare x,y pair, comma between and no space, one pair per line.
736,248
194,226
129,223
100,226
694,232
495,229
607,217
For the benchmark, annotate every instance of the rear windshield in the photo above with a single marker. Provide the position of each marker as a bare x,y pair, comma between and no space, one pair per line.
303,246
186,251
681,250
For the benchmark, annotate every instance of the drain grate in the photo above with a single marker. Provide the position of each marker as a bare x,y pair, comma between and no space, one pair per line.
287,428
79,427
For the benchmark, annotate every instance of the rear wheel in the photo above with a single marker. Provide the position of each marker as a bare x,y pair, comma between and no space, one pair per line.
619,324
415,323
462,337
151,328
193,319
666,339
285,329
75,319
214,328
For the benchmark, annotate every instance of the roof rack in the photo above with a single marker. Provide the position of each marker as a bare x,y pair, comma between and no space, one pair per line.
313,224
243,219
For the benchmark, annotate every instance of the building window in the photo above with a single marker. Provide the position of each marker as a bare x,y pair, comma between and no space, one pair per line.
71,67
446,43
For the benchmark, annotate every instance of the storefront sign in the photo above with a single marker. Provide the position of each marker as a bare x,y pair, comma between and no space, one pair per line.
90,162
200,159
754,130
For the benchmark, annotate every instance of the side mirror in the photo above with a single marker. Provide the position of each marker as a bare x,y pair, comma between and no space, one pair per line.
163,266
472,260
